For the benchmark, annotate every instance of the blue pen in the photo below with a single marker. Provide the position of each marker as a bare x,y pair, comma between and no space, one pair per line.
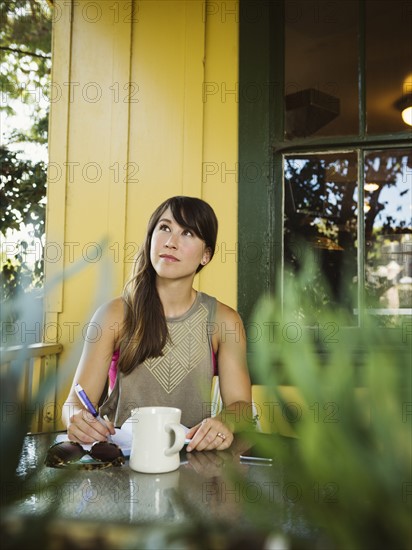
82,395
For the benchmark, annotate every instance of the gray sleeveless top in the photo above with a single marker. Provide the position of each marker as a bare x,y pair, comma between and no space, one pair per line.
181,377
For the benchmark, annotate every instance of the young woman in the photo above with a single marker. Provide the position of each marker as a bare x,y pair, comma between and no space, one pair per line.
162,341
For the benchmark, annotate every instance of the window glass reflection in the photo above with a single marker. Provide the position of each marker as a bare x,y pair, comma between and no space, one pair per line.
321,60
388,64
388,234
321,210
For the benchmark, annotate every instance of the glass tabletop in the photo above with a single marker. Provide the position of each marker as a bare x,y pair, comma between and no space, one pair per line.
219,489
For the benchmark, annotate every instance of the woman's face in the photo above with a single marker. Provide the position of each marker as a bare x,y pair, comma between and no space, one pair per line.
175,251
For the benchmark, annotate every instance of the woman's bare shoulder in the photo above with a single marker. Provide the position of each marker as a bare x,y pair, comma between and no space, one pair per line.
226,314
111,311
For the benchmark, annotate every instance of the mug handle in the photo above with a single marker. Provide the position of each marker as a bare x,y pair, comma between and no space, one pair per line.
180,437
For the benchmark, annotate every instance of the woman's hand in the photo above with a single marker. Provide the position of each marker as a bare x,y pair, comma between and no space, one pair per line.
83,427
210,435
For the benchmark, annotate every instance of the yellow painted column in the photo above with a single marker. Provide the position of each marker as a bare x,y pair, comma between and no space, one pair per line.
89,129
56,177
220,143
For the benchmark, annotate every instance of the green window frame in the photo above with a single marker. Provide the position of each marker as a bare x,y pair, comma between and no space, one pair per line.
263,147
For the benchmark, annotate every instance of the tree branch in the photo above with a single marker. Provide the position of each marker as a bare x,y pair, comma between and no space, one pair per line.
22,52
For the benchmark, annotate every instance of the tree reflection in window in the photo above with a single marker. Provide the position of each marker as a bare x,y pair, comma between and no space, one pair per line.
321,208
388,233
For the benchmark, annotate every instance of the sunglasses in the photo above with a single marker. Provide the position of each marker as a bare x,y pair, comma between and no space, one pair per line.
69,453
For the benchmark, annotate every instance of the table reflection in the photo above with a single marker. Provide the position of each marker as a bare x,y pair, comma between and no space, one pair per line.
209,488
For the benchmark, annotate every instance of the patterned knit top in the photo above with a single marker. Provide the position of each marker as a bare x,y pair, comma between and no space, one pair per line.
181,377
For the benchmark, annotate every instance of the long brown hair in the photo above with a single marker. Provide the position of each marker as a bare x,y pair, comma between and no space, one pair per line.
144,333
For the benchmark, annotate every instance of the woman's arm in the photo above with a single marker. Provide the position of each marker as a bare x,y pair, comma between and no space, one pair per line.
230,343
92,372
234,379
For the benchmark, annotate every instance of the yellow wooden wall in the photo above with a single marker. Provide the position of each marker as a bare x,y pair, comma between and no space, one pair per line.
141,109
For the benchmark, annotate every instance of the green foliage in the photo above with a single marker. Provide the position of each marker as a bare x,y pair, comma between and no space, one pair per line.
26,22
25,56
16,276
22,193
38,133
354,428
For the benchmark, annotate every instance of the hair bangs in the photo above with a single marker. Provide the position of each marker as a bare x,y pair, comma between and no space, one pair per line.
186,216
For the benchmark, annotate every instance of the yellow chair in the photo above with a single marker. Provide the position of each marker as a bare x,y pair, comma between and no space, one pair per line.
262,402
278,414
280,409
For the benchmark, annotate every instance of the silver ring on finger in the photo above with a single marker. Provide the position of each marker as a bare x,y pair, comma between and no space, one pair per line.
222,436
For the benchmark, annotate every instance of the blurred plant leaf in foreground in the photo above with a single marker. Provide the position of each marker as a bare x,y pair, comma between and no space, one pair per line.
351,418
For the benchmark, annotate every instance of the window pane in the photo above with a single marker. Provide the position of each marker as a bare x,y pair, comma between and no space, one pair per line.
321,209
388,63
321,58
388,233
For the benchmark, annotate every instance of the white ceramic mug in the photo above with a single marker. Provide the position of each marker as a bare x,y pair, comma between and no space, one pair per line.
157,438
